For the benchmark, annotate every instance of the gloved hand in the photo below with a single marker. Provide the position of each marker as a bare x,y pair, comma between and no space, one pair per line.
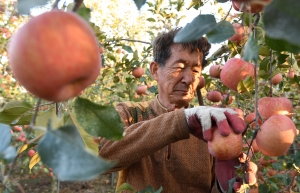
201,119
225,171
235,170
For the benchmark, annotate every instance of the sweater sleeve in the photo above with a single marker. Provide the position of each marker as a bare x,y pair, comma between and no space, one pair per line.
143,138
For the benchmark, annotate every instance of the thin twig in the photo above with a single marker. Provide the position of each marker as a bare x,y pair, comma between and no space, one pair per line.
17,184
227,13
55,5
129,40
270,72
32,122
77,5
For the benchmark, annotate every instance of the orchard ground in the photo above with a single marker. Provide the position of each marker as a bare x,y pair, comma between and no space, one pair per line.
38,180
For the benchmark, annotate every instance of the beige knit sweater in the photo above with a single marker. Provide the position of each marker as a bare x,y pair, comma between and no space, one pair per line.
158,150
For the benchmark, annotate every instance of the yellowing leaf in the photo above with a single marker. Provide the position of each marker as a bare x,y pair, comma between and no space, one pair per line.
22,148
34,160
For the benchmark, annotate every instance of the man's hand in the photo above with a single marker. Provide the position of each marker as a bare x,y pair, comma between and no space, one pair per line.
237,170
201,119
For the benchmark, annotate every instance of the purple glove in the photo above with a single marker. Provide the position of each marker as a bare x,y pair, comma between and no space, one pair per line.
201,119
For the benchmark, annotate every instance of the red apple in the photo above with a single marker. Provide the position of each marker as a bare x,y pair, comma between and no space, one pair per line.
227,99
251,167
272,172
225,148
268,106
138,72
17,128
31,152
234,71
276,79
55,55
214,96
215,71
141,89
250,118
291,73
201,83
250,178
239,33
253,6
276,135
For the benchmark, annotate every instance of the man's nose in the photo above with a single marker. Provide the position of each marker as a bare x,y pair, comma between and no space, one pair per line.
188,77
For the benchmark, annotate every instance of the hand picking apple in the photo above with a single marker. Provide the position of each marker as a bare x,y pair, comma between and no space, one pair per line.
200,120
55,55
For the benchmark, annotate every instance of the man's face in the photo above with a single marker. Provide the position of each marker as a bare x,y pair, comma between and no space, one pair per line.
178,79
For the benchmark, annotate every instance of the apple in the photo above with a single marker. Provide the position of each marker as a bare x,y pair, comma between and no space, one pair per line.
250,118
237,186
227,99
138,72
252,6
276,135
251,167
254,146
17,128
214,96
240,112
234,71
101,50
272,172
201,83
225,147
239,33
268,106
276,79
141,89
291,73
31,152
250,178
215,71
55,55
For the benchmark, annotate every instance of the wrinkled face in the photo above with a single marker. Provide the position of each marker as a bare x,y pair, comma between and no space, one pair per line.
178,79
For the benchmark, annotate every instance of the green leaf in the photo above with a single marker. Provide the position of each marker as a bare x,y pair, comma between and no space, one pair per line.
200,25
5,137
125,186
84,12
251,50
63,150
99,120
281,45
70,119
10,153
282,20
25,120
139,3
222,31
264,51
127,48
245,85
150,189
24,6
43,119
11,111
151,19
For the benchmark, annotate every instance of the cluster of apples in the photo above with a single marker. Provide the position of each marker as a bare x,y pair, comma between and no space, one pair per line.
138,72
55,55
249,6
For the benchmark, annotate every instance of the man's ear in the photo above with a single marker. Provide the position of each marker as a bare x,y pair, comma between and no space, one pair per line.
154,66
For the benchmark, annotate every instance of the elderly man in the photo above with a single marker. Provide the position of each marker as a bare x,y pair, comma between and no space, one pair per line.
166,141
